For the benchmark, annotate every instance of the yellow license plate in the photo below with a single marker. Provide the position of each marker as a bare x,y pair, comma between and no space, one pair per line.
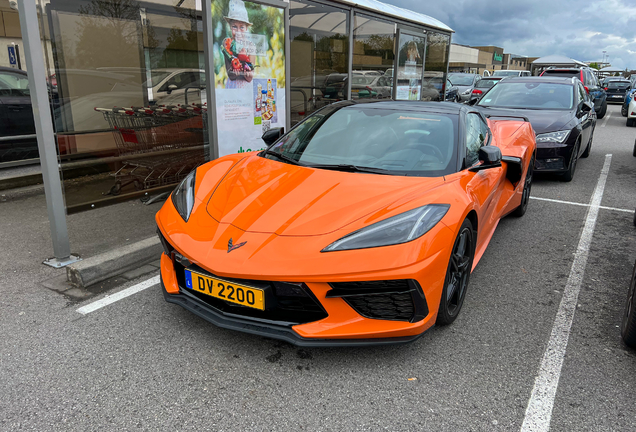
355,90
224,290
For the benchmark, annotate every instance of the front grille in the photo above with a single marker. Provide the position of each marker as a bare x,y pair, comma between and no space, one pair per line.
384,306
285,303
397,300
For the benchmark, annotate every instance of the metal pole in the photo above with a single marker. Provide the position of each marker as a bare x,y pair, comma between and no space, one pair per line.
208,54
287,28
351,48
34,57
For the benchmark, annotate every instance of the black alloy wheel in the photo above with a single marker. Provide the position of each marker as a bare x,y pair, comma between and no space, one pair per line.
628,325
569,174
457,276
527,186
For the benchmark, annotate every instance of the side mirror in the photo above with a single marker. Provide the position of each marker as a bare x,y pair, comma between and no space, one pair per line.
272,135
490,157
587,107
171,88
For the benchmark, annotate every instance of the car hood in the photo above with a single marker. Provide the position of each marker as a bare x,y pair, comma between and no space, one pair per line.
542,121
267,196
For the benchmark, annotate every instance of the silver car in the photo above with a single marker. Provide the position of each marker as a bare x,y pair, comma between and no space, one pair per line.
464,83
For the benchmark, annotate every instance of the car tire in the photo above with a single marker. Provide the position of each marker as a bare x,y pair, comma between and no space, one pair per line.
602,112
525,196
624,111
629,123
569,174
634,150
457,99
628,324
457,277
588,149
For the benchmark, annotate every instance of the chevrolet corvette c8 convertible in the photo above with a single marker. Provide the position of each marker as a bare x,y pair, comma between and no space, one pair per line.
361,225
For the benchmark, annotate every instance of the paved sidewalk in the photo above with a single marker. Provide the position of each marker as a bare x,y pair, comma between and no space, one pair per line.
25,239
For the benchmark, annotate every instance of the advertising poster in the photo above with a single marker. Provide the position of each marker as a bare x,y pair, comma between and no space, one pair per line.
249,76
410,67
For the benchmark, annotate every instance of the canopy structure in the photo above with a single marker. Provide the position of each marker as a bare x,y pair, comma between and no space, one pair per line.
556,60
398,12
611,69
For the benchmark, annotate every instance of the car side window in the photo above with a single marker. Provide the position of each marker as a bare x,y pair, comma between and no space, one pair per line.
12,84
582,95
181,80
476,135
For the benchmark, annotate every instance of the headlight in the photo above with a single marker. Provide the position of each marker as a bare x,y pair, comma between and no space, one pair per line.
183,196
398,229
467,92
559,136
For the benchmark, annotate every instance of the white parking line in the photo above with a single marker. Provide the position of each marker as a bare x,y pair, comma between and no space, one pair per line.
582,204
539,410
607,117
92,307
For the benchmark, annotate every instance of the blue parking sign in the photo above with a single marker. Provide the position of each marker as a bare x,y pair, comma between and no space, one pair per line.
13,60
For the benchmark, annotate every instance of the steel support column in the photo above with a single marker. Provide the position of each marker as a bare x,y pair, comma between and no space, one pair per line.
36,71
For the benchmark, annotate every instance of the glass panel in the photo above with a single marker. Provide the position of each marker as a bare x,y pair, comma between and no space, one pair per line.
373,58
319,57
410,63
435,65
129,104
249,76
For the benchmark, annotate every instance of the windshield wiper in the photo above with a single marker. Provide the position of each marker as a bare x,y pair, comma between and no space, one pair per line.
283,157
353,168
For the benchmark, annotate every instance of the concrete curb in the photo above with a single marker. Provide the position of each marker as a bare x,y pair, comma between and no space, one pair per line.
8,183
113,263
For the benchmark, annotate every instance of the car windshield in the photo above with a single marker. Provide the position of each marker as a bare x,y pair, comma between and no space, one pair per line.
461,80
486,83
506,73
530,95
397,142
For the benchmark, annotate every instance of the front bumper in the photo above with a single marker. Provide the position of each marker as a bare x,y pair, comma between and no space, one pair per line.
273,331
553,157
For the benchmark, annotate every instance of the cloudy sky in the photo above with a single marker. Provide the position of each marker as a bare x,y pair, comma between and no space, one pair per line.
534,28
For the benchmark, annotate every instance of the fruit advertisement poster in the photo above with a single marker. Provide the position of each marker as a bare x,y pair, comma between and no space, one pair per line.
249,75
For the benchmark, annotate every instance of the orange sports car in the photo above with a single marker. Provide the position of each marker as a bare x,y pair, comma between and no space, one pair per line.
359,226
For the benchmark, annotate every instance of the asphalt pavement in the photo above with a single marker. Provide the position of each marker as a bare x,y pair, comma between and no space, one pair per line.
142,364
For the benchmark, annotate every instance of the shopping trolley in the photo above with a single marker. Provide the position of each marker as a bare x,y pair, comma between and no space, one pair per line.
164,144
